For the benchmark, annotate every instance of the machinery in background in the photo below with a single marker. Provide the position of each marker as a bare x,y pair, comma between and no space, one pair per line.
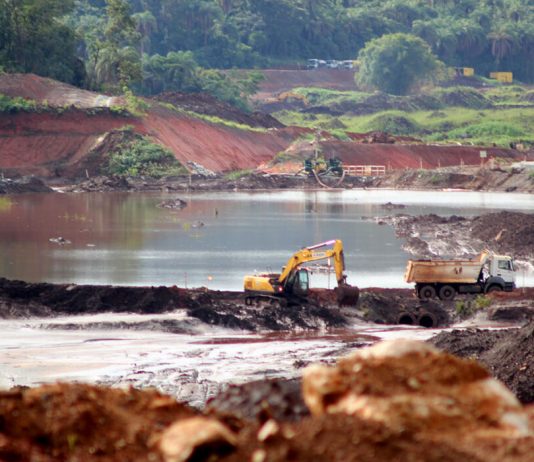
318,166
445,278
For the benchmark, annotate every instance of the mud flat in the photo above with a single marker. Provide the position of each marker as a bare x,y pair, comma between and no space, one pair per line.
428,236
401,400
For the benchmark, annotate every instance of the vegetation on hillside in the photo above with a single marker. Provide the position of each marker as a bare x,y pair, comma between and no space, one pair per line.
498,115
139,156
150,44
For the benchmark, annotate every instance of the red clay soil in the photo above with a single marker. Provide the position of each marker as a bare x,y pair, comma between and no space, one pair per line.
277,81
400,156
57,141
215,147
41,143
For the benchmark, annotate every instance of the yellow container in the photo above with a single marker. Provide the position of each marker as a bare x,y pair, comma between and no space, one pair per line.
469,71
504,77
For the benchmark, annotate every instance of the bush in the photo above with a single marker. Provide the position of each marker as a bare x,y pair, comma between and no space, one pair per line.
17,104
393,123
143,157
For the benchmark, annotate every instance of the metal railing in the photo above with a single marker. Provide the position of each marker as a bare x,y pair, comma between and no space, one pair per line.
364,170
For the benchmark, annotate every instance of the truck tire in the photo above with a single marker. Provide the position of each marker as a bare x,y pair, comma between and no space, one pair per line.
427,292
494,288
447,292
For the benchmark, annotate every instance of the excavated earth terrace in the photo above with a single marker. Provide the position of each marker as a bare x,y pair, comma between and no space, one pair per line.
66,136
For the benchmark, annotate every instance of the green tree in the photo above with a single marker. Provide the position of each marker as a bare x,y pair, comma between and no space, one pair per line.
113,60
33,38
396,63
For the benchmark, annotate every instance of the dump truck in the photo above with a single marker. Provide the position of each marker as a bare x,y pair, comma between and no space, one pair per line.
487,272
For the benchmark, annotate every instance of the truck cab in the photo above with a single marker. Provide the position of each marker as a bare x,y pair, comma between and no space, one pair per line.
500,273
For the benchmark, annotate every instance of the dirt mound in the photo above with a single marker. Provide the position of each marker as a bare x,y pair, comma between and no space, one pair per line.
431,235
195,183
83,422
227,309
395,124
202,103
506,232
267,420
459,177
388,307
463,97
509,354
23,185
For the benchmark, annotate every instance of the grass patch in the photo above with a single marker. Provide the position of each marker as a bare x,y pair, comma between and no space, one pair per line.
510,94
5,204
236,175
325,97
456,114
500,133
227,123
212,119
17,104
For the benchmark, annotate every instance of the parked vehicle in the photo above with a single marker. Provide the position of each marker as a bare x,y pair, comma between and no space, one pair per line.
445,278
315,63
332,64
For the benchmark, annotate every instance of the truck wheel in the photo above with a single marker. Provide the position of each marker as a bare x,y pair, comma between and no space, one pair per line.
494,288
427,292
447,293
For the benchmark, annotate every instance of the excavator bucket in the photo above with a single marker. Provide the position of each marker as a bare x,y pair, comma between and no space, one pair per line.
347,295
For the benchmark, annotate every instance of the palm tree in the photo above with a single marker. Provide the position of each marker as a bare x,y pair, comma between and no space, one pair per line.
502,44
146,25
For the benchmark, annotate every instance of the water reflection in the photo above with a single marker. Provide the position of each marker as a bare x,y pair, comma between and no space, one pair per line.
124,238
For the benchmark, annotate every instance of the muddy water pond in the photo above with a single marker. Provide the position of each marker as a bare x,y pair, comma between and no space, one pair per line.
126,239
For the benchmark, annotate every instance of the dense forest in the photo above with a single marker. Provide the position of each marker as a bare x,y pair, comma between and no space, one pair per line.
156,45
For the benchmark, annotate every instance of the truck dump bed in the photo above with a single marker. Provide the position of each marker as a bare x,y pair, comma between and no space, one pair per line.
445,271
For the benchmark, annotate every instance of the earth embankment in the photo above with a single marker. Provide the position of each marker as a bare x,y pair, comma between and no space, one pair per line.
281,80
56,138
69,132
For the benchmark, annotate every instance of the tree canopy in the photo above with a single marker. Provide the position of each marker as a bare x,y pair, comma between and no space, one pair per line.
395,63
103,43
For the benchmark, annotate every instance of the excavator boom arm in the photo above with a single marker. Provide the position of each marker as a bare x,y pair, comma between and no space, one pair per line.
312,253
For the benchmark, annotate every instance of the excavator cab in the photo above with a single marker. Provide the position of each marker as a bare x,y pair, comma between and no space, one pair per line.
298,283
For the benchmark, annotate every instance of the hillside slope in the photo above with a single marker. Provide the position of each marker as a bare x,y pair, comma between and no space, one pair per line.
72,131
54,140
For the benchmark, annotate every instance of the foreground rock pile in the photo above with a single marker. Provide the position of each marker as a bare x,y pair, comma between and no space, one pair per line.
401,400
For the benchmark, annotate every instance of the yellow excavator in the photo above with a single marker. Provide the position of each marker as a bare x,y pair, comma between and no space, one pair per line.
292,285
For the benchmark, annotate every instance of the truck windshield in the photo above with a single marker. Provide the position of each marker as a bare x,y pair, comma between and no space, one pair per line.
506,265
